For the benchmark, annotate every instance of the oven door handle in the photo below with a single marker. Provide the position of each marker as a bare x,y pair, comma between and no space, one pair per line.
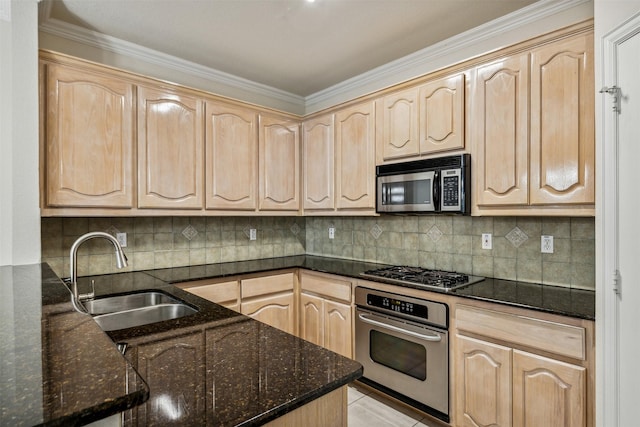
435,337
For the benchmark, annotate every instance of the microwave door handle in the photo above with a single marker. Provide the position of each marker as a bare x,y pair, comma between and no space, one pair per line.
436,191
366,319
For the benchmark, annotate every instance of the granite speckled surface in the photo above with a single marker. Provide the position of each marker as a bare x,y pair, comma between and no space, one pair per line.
215,367
57,366
546,298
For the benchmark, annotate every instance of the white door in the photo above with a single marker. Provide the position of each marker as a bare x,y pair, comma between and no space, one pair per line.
618,372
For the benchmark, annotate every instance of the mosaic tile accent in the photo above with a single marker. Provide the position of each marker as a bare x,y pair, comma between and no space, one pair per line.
112,230
247,231
517,237
295,229
189,232
434,233
375,231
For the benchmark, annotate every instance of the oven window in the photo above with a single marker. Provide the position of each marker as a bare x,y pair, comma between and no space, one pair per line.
398,354
408,192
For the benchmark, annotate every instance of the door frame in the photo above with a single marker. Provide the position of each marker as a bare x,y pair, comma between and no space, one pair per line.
607,242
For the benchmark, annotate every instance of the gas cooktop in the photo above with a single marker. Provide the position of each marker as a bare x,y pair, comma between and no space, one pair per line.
418,277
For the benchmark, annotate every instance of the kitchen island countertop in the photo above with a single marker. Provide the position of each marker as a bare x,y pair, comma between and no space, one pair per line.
60,368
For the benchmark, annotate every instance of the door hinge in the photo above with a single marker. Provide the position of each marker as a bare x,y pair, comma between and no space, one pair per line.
617,282
616,92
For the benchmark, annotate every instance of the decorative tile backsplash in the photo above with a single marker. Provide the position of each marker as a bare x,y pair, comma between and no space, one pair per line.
162,242
442,242
455,243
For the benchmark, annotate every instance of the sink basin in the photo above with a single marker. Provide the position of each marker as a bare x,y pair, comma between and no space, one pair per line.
112,304
137,309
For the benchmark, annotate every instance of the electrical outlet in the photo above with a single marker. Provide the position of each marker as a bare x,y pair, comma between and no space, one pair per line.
122,239
487,241
546,244
332,232
253,234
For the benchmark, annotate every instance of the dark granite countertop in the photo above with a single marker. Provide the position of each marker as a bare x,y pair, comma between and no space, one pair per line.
570,302
57,366
216,367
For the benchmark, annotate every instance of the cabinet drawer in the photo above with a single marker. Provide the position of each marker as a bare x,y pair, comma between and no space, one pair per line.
558,338
327,286
218,292
266,285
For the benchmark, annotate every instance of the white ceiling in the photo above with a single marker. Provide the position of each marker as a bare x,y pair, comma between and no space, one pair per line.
292,45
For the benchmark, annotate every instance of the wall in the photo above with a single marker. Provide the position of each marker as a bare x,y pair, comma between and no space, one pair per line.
617,376
442,242
19,186
454,243
163,242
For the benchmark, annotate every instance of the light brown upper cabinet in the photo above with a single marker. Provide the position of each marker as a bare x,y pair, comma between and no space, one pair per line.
318,163
231,157
88,151
422,120
279,148
501,132
533,131
400,125
355,157
442,114
562,122
170,150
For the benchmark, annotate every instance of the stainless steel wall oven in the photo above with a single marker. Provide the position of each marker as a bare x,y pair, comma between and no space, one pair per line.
403,344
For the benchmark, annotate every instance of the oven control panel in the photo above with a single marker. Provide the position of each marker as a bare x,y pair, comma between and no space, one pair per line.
410,308
398,305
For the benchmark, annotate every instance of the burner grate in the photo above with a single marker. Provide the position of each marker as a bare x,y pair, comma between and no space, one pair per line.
419,276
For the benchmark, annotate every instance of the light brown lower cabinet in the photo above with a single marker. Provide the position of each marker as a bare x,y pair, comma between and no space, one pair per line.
223,293
275,310
504,382
325,312
270,299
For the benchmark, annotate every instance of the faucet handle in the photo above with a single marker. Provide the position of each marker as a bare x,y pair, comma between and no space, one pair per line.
90,295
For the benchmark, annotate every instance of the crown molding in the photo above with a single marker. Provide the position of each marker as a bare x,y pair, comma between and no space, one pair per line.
424,57
121,47
358,85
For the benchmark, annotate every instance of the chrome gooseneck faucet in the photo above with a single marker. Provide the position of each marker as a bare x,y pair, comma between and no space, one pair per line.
121,262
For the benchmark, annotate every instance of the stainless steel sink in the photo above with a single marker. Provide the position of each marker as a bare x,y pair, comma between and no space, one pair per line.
137,309
111,304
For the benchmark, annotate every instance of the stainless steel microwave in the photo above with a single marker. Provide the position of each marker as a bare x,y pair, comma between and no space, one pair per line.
436,185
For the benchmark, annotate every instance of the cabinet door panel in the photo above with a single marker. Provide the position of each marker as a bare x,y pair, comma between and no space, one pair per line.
483,384
355,157
337,328
312,319
442,115
562,123
400,135
279,164
501,132
89,139
277,311
318,164
231,158
174,371
170,150
547,392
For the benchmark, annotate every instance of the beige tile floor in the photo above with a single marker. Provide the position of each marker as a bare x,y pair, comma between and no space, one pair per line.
368,409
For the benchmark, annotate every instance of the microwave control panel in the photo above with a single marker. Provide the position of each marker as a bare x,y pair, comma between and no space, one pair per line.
451,184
